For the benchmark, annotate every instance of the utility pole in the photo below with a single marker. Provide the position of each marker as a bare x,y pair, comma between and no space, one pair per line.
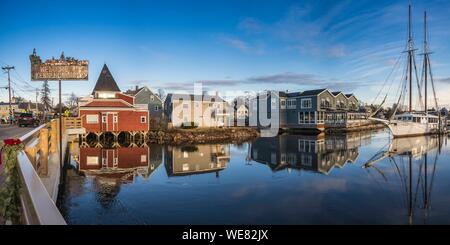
7,69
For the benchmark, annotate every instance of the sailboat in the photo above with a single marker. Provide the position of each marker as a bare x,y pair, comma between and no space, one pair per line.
411,122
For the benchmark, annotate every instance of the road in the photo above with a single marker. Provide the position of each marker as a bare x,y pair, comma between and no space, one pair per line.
7,131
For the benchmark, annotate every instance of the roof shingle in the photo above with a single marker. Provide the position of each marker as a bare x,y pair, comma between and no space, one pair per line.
106,82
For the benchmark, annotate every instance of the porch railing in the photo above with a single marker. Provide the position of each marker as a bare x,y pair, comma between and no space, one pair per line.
72,122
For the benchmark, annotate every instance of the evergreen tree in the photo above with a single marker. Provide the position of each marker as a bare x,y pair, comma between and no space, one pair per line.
45,97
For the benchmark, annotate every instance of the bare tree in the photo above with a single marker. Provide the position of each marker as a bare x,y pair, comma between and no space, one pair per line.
72,102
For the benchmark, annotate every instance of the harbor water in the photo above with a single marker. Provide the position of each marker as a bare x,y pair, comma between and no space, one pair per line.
357,178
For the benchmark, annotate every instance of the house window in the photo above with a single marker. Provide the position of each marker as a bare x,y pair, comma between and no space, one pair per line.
143,119
152,98
325,103
91,119
104,119
291,103
306,103
92,160
301,117
156,108
143,158
115,118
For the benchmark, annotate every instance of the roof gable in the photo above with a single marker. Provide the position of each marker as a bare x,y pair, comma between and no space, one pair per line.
106,82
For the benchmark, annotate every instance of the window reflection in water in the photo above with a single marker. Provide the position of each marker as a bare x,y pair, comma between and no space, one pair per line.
308,152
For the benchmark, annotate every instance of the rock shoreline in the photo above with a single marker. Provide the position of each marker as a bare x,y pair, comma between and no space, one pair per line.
202,135
227,135
367,127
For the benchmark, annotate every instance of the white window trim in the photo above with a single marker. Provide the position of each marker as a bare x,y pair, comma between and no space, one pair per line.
91,120
304,100
145,119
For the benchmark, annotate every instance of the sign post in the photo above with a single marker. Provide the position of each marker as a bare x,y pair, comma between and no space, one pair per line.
64,68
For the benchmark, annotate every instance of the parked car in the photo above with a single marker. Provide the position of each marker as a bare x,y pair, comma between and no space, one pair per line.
27,119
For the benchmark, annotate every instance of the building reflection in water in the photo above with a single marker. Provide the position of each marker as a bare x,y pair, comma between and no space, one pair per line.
196,159
308,152
116,166
414,161
122,163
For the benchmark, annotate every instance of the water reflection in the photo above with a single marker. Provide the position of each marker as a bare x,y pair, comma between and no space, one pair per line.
381,181
414,160
196,159
308,152
121,164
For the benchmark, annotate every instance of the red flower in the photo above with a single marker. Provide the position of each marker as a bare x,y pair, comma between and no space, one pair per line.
12,141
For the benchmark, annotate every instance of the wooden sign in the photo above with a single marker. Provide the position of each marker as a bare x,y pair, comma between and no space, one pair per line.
64,68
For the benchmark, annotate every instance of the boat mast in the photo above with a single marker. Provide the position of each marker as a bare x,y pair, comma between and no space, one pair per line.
410,55
425,60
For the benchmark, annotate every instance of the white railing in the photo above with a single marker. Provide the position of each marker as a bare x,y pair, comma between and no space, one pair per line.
38,208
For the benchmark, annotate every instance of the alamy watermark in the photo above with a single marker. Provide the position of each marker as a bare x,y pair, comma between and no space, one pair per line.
251,109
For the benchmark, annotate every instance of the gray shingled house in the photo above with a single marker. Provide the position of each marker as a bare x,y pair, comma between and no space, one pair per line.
145,95
314,109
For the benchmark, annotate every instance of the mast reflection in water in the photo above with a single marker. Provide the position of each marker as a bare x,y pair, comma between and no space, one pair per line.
410,159
358,178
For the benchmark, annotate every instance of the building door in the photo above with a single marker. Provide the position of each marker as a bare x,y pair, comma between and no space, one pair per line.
110,121
115,122
105,121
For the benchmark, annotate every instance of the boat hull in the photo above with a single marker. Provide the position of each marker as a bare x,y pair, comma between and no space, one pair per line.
407,129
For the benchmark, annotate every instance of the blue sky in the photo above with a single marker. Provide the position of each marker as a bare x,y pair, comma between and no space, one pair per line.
231,46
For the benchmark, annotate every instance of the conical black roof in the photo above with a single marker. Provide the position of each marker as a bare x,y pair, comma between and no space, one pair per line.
106,82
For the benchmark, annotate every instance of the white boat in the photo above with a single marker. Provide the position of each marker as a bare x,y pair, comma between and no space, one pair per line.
412,122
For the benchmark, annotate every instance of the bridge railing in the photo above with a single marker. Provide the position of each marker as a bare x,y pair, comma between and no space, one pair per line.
37,205
72,122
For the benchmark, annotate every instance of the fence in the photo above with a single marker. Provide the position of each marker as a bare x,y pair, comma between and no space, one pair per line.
37,205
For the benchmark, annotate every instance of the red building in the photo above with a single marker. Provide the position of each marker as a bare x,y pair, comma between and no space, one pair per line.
109,110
